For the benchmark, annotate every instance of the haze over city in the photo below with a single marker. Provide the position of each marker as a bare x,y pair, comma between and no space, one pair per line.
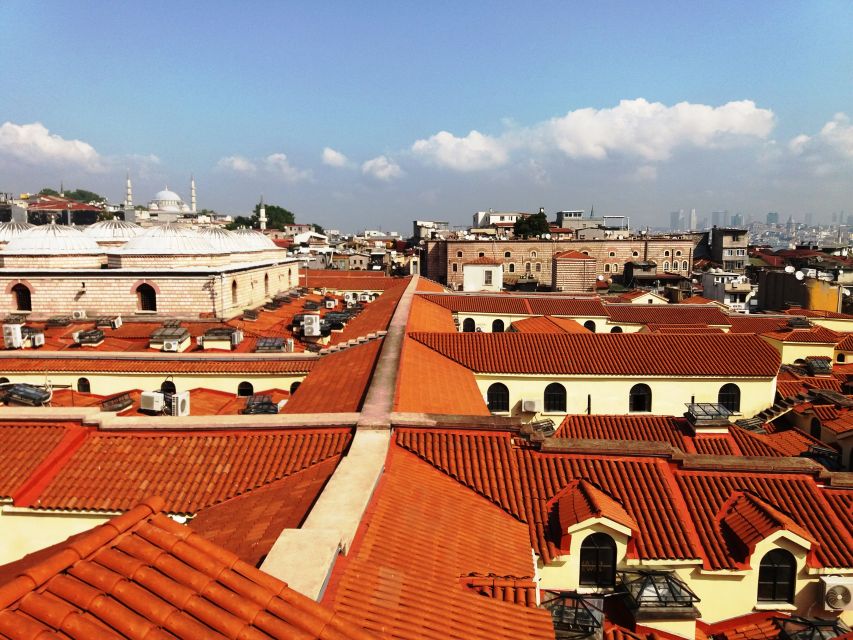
352,116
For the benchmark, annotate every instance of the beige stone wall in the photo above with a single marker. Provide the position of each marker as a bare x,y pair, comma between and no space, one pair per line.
25,531
72,261
573,276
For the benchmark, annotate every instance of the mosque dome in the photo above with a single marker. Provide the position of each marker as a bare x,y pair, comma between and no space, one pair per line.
251,240
112,230
223,239
170,239
168,201
51,239
9,230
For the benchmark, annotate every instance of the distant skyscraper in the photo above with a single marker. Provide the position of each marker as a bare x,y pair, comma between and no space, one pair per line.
720,218
809,218
737,220
772,217
693,225
676,220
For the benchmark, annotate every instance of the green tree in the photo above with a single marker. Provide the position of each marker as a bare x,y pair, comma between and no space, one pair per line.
318,229
47,191
80,195
242,221
277,216
535,225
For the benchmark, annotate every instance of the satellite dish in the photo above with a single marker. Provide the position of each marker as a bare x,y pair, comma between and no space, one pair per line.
601,278
799,275
789,269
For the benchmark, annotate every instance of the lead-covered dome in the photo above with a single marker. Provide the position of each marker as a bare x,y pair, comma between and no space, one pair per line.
223,239
51,239
252,240
170,239
112,230
9,230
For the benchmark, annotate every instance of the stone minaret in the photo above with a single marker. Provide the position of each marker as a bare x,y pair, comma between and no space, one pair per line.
192,194
128,198
263,215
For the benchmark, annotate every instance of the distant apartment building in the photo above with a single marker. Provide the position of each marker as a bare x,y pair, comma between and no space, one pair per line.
424,229
492,218
443,259
772,217
732,289
728,248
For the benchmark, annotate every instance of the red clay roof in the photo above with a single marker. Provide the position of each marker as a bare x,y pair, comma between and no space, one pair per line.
338,382
608,354
580,500
185,364
248,525
698,300
421,535
572,255
646,428
502,304
846,343
583,307
426,316
755,626
812,335
376,316
667,314
484,260
348,280
26,445
755,323
111,471
143,575
751,520
813,313
548,324
682,328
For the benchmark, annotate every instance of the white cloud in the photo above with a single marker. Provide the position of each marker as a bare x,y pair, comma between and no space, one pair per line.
644,173
239,164
34,144
382,168
651,130
278,164
334,158
835,138
474,152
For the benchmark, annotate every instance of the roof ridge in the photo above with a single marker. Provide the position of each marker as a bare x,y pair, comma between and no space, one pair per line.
52,464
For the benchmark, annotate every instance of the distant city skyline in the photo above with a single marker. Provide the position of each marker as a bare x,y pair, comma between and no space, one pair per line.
355,116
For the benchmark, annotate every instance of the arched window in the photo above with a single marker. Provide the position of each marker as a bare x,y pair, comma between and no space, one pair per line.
507,254
266,284
23,299
640,398
498,397
497,326
777,576
533,254
511,267
598,561
233,292
4,380
245,389
729,397
458,254
168,387
615,268
294,387
666,254
589,324
527,267
146,297
612,254
555,397
840,357
616,330
678,254
83,385
538,267
684,266
606,268
481,255
666,265
469,326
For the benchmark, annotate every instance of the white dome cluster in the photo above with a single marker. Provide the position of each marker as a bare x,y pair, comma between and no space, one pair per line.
51,239
9,230
112,230
170,239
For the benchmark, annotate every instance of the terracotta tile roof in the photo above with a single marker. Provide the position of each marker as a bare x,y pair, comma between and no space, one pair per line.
846,343
142,574
428,382
186,364
667,314
682,328
838,420
706,493
813,335
503,304
698,300
248,525
632,428
583,307
348,280
755,323
484,260
579,501
751,520
842,503
426,316
572,255
548,324
376,316
338,381
503,588
422,534
425,284
755,626
26,445
715,445
812,313
112,471
608,354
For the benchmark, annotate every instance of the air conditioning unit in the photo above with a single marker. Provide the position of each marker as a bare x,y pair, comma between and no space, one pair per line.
364,297
76,337
181,404
78,314
330,304
37,340
152,401
290,345
311,326
837,593
236,338
116,322
531,406
13,337
171,345
199,340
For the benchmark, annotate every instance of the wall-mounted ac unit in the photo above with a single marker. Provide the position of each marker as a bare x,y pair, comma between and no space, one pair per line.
236,338
152,401
13,337
171,345
37,340
181,404
837,593
330,304
199,340
78,314
311,325
116,322
289,345
76,337
531,406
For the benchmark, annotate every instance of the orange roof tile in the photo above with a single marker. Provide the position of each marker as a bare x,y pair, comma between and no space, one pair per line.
608,354
338,381
185,364
646,428
425,284
112,471
755,626
142,574
812,335
756,323
26,445
249,524
480,304
352,281
671,314
572,255
682,328
421,533
548,324
376,316
484,260
426,316
552,306
580,500
698,300
751,520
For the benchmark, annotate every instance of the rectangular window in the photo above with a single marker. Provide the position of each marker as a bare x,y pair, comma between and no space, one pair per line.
488,276
454,267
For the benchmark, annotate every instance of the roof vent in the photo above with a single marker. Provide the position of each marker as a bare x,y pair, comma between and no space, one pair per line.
259,404
26,394
798,322
818,366
574,615
708,416
58,321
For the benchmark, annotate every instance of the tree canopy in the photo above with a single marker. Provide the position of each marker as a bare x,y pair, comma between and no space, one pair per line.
535,225
80,195
277,217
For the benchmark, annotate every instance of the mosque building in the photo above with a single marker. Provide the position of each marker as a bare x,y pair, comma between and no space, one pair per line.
166,206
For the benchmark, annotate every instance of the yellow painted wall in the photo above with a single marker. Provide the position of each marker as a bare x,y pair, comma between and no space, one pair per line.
564,573
484,321
610,394
840,325
793,351
823,296
24,532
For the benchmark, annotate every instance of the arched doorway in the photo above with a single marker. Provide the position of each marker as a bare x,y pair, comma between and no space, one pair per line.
146,297
23,297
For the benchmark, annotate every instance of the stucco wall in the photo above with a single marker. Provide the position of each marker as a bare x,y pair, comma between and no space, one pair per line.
26,531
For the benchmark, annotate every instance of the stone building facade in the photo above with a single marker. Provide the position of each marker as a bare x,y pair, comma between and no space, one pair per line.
443,259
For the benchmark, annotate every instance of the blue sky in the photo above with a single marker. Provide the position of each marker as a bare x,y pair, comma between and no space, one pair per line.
639,108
